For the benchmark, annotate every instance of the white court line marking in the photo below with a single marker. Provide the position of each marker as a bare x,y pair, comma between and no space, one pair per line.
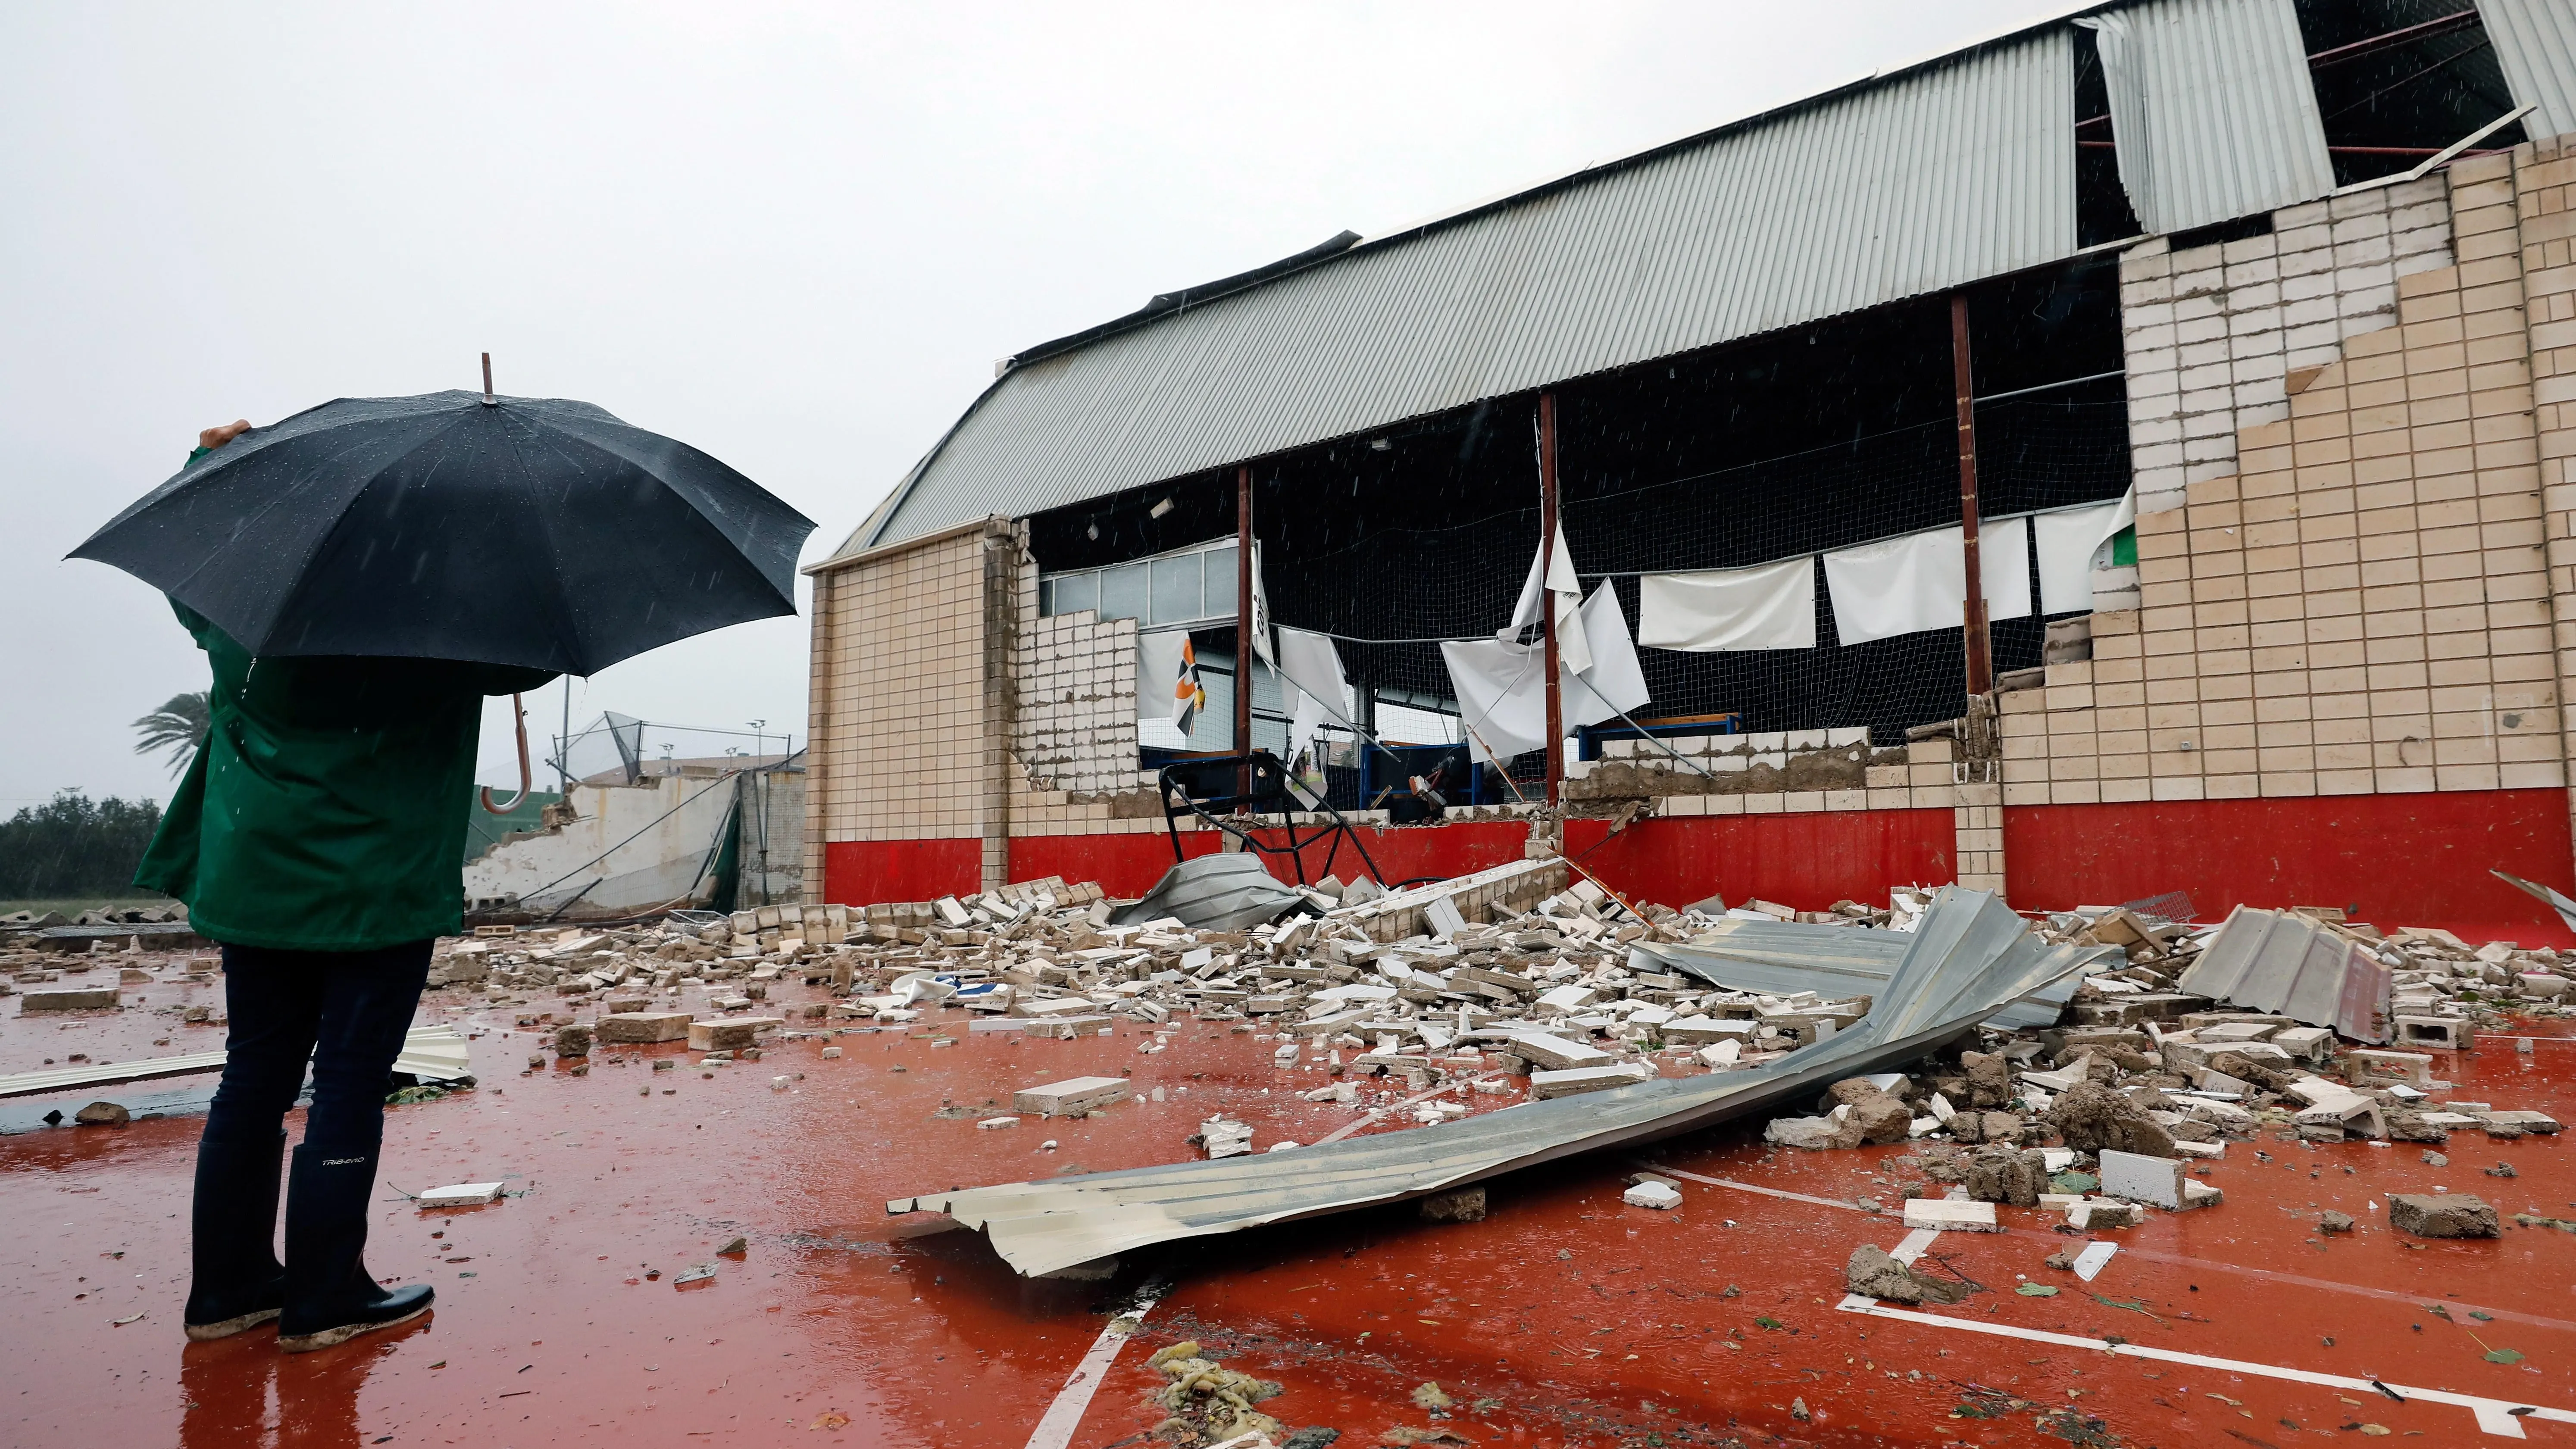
2149,1255
2493,1415
1831,1202
1055,1428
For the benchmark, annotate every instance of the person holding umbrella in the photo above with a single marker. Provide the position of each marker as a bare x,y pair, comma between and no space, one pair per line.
361,577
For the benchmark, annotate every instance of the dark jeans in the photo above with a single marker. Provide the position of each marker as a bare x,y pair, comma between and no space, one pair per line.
346,1010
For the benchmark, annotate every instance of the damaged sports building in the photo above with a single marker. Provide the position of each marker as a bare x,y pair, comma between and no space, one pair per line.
2124,456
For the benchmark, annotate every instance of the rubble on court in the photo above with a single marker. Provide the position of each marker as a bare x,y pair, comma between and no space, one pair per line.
1531,983
1873,1272
1969,955
2442,1215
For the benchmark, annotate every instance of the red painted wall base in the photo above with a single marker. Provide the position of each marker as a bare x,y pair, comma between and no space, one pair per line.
1128,865
2393,860
864,872
1808,861
2397,860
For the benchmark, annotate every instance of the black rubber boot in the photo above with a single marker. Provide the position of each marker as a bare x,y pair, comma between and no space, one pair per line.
234,1281
330,1297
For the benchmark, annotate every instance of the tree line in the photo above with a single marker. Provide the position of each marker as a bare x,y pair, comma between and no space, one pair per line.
74,846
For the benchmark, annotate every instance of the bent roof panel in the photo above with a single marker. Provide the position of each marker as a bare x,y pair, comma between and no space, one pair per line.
1961,169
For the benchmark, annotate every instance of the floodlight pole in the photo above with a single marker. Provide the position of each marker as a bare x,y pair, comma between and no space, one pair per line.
1979,640
1546,600
1243,650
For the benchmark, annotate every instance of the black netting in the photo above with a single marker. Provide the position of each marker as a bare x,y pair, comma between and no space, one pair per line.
1836,435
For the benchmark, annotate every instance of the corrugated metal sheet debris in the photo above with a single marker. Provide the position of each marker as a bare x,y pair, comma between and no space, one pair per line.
1778,957
2280,961
2535,42
431,1053
1222,892
1969,957
1932,178
2212,109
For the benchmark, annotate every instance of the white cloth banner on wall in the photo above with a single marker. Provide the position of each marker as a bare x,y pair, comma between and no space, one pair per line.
1501,696
1615,681
1312,668
1770,607
1501,691
2068,540
1554,577
1920,582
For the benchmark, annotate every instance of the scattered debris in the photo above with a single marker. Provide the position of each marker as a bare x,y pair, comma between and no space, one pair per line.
2442,1215
1874,1273
457,1195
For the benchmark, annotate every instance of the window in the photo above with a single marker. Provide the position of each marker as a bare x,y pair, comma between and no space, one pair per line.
1194,585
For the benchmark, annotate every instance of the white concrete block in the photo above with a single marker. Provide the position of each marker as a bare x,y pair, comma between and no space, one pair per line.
1943,1216
1652,1195
462,1194
2140,1178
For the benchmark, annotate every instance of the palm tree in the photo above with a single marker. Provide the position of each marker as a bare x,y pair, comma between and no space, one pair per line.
178,726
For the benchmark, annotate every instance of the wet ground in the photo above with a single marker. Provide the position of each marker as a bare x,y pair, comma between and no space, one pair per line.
1564,1318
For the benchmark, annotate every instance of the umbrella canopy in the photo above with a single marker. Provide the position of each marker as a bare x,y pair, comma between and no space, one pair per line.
530,531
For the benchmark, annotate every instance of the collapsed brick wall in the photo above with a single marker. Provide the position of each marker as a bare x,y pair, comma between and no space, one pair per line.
1075,734
2350,597
2216,336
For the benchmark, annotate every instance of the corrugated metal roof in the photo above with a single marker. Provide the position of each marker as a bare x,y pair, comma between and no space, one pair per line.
1959,169
2284,962
1970,955
2213,110
2535,42
1786,956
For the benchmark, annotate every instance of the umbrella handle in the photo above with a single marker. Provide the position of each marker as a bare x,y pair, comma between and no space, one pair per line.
525,778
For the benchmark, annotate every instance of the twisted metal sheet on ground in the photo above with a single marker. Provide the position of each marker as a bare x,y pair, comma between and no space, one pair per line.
1222,892
2281,961
1778,957
1970,957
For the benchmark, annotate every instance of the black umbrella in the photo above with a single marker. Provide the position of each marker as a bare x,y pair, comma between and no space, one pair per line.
528,531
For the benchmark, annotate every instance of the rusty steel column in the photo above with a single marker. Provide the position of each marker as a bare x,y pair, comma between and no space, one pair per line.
1243,650
1979,642
1546,600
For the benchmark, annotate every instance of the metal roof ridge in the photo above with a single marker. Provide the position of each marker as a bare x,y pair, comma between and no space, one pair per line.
1440,220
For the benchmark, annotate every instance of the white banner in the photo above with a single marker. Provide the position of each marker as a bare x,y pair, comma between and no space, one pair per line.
1770,607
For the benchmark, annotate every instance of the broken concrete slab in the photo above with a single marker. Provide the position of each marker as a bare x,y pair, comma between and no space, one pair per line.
731,1035
66,998
644,1027
457,1195
1556,1053
1814,1134
1224,1137
2442,1215
1946,1215
2141,1178
1545,1085
1073,1094
1652,1195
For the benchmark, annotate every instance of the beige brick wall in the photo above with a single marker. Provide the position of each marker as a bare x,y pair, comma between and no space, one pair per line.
912,695
2544,185
2358,602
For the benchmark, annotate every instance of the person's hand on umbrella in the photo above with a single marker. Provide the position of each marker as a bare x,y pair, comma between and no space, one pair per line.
215,437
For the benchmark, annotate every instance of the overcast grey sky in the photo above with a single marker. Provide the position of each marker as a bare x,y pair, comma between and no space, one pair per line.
796,236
